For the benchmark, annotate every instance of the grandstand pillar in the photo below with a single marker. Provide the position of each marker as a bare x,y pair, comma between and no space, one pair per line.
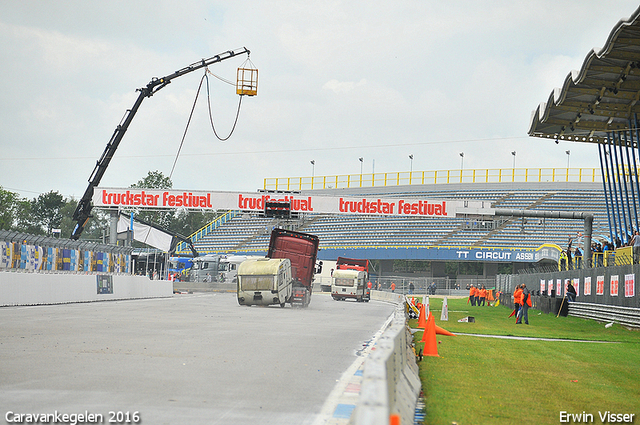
586,217
113,227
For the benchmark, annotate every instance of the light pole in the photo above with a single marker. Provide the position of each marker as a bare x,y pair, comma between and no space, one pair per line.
410,167
514,159
361,159
313,171
568,156
462,160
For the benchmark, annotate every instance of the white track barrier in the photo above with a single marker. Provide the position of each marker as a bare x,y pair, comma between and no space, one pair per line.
390,381
57,288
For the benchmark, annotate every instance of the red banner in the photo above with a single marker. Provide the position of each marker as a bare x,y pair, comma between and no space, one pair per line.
629,285
587,285
614,285
600,285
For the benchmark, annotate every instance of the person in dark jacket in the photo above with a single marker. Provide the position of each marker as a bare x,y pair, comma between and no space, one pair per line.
571,293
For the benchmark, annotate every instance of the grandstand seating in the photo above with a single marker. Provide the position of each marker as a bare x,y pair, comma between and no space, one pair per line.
251,232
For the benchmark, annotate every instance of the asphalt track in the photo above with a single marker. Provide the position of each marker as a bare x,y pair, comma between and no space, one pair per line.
187,359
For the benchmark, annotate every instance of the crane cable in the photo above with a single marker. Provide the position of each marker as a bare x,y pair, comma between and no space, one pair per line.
235,122
195,101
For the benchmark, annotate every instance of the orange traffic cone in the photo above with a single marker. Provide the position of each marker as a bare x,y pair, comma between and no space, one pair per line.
422,320
441,331
394,419
429,338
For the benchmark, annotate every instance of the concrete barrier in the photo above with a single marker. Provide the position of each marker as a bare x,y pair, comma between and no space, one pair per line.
390,382
387,296
22,288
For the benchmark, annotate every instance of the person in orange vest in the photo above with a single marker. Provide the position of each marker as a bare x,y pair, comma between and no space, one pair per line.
393,287
525,299
490,297
472,295
517,299
482,296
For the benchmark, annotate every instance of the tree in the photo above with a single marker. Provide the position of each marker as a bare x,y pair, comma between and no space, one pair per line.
8,205
47,211
186,222
24,218
154,180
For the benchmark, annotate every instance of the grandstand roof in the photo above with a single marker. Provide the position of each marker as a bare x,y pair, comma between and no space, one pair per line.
599,98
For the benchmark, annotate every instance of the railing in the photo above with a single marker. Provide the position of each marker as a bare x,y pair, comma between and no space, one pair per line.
626,316
500,175
182,247
618,257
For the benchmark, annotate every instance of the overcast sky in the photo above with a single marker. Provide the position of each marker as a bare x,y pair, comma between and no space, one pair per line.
338,80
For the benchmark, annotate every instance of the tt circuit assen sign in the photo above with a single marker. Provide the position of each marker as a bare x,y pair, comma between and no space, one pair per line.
404,206
546,252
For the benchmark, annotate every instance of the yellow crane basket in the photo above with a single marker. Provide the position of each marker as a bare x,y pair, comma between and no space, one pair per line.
247,81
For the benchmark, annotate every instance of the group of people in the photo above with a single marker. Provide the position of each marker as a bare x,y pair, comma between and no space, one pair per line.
568,255
521,303
477,295
598,249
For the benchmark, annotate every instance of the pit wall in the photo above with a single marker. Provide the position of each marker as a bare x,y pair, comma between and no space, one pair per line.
23,288
614,285
390,380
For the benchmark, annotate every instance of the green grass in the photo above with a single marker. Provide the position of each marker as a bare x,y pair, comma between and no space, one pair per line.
500,381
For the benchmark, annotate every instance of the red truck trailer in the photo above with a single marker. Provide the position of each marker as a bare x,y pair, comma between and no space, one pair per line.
302,250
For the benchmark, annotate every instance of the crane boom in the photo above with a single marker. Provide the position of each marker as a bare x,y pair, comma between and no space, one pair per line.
83,211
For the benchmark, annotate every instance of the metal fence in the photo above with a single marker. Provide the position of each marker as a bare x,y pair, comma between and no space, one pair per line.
423,285
25,252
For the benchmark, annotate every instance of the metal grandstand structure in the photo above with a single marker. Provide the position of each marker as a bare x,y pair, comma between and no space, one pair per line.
599,104
412,237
